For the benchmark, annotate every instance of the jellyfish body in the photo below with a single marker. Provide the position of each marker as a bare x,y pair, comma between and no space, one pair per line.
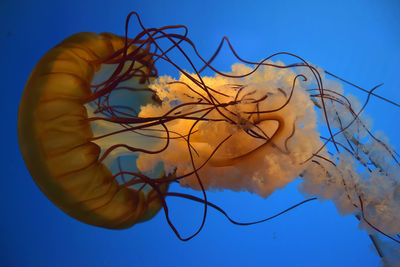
54,137
252,129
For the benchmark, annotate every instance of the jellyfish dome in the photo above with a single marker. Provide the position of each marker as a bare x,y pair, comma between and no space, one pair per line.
54,134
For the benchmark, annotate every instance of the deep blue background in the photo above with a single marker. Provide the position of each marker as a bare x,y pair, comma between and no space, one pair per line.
358,40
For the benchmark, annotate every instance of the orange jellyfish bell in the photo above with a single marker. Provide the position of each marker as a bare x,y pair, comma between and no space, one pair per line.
54,135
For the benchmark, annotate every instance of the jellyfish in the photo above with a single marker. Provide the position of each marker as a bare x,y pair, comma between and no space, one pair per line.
103,134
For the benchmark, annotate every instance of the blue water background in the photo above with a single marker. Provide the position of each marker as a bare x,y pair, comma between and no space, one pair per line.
357,40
